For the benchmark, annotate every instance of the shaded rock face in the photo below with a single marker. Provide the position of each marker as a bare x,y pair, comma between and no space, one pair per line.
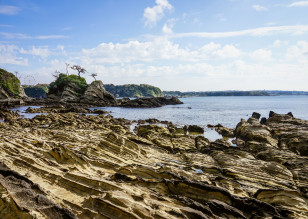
69,165
8,100
149,102
97,95
3,94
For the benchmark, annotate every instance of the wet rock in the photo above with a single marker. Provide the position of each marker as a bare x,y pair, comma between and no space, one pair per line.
224,131
256,115
196,129
149,102
263,120
99,111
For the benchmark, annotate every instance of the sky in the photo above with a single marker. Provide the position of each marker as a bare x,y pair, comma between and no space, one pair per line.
184,45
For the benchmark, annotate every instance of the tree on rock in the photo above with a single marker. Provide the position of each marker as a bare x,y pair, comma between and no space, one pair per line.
79,69
94,76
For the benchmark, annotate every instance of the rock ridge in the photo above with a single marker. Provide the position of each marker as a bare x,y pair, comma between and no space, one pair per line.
74,165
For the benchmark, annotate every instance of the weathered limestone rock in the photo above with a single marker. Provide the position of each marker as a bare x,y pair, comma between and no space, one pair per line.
224,131
72,165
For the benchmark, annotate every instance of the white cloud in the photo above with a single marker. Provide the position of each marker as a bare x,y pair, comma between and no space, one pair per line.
228,51
46,37
136,51
279,43
162,62
8,10
159,50
14,35
9,55
156,13
259,8
299,4
298,52
43,52
262,55
262,31
167,28
25,36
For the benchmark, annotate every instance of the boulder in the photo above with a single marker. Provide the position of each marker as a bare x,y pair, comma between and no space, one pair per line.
256,115
196,129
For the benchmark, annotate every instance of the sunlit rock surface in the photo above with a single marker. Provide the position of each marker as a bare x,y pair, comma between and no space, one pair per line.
69,165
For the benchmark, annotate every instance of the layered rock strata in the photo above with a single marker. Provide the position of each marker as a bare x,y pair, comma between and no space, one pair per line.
70,165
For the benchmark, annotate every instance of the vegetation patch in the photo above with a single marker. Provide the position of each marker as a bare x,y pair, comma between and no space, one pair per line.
134,90
79,84
9,83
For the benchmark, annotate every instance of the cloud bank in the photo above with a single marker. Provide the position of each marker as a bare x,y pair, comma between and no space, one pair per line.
157,12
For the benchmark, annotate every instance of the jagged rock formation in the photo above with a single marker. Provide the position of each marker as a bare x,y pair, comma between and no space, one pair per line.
148,102
74,89
96,94
72,165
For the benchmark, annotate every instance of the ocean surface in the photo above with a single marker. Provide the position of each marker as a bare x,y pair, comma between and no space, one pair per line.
202,111
227,111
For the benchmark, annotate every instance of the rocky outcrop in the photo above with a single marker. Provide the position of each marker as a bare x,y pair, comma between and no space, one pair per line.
62,109
7,100
149,102
70,93
96,94
11,93
72,165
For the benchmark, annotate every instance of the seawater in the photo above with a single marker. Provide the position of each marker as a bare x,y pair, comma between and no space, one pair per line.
202,111
227,111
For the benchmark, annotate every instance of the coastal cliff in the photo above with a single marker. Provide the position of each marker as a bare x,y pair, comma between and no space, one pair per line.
71,165
11,92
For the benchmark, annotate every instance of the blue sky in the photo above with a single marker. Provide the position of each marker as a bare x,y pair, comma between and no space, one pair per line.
198,45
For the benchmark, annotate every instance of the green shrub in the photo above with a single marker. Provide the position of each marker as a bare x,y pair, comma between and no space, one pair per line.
9,83
133,90
64,80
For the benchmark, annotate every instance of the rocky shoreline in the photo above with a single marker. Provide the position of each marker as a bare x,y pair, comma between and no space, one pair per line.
67,164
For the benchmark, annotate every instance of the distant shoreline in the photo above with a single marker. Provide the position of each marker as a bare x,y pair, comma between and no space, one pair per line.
233,93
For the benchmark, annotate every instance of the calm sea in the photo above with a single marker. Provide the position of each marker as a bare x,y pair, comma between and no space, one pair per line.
202,111
227,111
